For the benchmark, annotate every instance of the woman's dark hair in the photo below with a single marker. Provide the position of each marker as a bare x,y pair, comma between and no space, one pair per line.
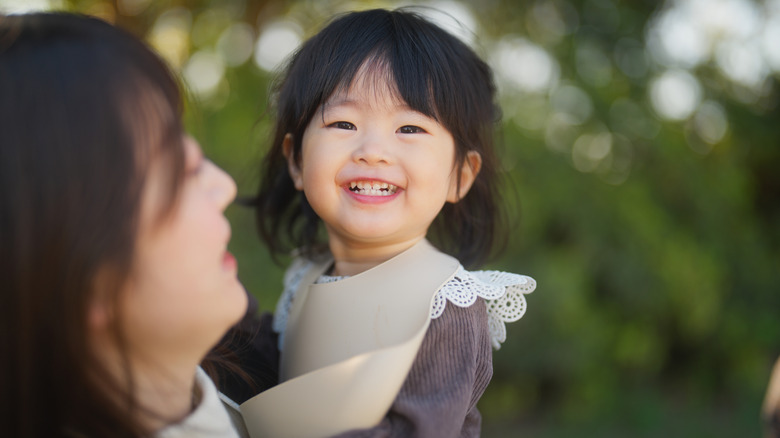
84,109
435,74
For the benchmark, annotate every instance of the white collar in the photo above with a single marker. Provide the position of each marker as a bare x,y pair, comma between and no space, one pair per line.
210,419
503,292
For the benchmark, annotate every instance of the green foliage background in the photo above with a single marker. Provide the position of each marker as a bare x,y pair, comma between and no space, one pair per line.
657,307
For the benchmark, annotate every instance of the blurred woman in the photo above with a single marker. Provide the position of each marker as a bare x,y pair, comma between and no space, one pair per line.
116,277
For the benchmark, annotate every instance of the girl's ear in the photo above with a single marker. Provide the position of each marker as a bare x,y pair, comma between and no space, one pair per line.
292,165
468,173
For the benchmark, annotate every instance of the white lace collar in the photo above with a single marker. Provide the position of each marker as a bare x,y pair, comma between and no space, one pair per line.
503,292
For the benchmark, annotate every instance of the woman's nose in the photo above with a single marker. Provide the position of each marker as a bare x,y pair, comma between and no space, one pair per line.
221,186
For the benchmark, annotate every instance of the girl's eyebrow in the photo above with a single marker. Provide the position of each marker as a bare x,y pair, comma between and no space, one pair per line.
337,102
340,101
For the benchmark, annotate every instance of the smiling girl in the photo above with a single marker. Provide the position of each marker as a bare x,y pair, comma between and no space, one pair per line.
384,137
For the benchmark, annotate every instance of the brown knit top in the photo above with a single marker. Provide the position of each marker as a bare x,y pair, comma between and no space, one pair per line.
450,373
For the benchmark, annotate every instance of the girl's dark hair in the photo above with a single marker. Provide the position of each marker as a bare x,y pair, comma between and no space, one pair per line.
435,74
84,109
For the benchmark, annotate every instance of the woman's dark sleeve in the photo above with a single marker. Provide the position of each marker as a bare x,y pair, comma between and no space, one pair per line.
449,375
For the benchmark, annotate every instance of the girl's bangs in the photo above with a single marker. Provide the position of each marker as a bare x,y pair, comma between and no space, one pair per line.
390,79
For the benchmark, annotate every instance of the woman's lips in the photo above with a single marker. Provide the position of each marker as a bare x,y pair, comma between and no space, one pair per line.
229,262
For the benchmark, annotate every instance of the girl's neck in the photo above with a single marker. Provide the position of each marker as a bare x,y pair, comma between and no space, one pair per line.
352,259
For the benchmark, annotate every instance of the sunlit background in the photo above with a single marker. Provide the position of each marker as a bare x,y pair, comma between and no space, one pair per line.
641,144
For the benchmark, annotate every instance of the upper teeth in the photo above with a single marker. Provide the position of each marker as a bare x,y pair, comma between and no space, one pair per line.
372,188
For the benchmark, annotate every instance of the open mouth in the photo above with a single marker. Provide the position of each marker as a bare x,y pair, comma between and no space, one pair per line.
372,188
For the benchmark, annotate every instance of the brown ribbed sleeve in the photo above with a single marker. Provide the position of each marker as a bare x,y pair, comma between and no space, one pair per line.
449,375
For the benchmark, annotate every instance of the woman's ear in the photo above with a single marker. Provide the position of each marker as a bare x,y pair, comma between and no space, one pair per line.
99,309
98,317
468,173
292,165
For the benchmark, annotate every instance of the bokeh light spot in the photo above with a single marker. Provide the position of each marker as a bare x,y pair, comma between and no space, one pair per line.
203,73
236,44
276,42
170,36
525,66
743,63
452,16
710,122
675,41
573,101
132,7
628,118
590,149
675,94
771,42
631,58
593,65
22,6
208,25
561,132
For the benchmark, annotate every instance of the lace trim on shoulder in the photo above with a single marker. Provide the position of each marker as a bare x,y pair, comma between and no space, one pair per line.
330,278
504,295
503,292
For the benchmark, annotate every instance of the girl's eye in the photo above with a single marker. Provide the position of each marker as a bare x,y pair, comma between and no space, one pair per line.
343,125
411,129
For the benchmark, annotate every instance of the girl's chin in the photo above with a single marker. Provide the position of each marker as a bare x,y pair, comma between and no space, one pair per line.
378,243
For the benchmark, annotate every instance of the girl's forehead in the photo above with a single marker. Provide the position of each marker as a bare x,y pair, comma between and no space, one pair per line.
373,88
373,82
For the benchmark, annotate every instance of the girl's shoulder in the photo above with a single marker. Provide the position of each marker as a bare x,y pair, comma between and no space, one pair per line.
292,280
503,292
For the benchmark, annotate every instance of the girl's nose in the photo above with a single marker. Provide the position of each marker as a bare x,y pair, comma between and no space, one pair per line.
372,150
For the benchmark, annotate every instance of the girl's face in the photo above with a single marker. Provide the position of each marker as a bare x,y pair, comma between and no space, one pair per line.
376,171
183,293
